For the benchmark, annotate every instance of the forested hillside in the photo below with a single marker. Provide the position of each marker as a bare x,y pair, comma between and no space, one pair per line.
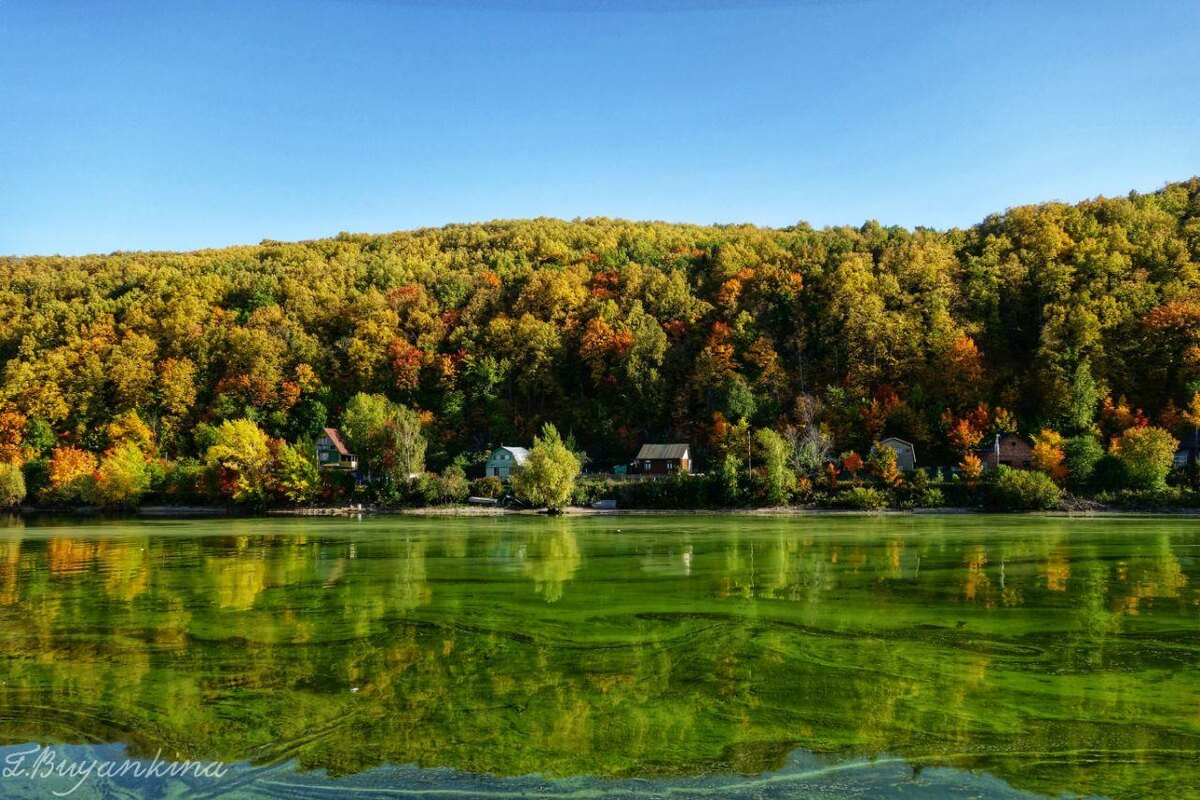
1053,316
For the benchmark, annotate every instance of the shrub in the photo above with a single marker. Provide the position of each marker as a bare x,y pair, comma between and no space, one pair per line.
1023,490
677,491
12,485
861,498
1151,499
931,498
1147,455
491,486
452,485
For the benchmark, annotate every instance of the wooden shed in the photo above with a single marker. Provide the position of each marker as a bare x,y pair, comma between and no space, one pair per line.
664,459
1009,450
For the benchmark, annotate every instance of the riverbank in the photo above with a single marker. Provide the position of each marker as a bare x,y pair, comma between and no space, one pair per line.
357,510
475,511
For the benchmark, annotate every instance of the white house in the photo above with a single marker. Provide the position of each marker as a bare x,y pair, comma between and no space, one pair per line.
504,460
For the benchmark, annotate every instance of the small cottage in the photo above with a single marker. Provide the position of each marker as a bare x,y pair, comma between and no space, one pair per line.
333,453
504,461
1009,450
664,459
906,454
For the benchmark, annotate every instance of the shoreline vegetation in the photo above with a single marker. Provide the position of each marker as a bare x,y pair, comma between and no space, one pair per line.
1046,358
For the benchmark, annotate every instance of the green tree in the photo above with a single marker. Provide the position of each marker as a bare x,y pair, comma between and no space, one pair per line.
12,485
779,481
297,478
241,454
547,478
730,477
1146,455
386,435
1082,452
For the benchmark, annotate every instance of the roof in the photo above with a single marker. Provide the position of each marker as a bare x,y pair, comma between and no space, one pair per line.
897,440
336,438
519,454
660,451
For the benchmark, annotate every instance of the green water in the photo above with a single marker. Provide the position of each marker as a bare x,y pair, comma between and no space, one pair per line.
831,656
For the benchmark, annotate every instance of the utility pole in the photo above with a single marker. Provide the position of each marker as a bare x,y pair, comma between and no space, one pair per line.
749,456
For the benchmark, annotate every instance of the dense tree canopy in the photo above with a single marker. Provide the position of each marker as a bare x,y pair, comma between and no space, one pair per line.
621,332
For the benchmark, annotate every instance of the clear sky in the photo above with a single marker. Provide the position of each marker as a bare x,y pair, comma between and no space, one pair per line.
194,123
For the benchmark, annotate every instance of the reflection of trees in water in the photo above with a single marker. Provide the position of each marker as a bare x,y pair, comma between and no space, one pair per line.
551,558
907,644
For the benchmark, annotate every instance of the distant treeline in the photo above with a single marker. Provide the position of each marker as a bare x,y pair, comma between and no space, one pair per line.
1066,317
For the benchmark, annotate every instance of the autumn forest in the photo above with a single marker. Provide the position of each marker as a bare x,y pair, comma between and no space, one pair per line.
1077,319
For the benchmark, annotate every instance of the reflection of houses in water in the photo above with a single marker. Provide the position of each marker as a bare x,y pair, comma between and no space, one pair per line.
669,560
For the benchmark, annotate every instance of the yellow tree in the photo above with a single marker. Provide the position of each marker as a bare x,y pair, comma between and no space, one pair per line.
242,454
1048,454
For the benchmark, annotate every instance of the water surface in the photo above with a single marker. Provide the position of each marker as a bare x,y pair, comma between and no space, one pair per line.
826,656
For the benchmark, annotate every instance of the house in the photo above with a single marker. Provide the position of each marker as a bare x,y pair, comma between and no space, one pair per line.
504,460
1009,450
333,453
1188,454
906,454
664,459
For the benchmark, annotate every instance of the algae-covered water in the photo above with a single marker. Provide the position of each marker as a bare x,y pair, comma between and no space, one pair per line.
707,656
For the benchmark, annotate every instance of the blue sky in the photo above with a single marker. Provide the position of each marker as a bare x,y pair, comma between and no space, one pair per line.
148,125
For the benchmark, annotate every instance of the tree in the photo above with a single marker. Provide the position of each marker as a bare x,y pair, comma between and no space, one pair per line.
12,485
852,462
12,434
129,427
779,479
1085,398
966,432
122,477
386,435
881,461
1048,454
71,470
731,479
39,437
809,446
547,478
1146,454
241,454
971,468
297,478
1082,453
